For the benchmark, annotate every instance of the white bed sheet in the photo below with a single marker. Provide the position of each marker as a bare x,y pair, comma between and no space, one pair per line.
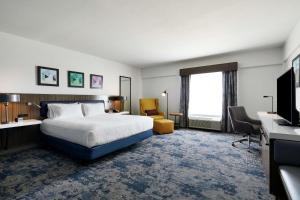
96,130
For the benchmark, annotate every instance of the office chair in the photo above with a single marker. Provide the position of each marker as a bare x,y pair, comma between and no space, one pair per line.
243,124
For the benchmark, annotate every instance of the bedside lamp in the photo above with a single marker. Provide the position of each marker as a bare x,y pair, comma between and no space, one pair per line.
6,99
165,93
272,104
115,102
33,104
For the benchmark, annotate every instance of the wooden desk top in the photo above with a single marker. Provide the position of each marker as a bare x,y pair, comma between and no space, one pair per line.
176,114
275,131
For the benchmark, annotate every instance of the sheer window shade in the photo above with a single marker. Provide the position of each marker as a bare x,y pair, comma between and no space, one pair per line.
206,95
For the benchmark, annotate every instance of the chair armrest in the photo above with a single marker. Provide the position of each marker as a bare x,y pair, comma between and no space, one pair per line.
253,121
243,127
143,114
161,113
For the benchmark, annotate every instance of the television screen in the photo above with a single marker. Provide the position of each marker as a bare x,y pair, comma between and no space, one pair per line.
286,97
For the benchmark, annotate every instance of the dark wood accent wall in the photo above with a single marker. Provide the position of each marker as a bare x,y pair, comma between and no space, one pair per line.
33,112
209,68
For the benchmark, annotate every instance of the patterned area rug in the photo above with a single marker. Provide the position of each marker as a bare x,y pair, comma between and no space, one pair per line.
187,164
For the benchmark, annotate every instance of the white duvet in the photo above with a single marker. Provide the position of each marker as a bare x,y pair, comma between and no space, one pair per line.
96,130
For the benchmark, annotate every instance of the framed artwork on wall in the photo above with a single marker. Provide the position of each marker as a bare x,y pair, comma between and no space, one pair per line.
96,81
47,76
296,66
75,79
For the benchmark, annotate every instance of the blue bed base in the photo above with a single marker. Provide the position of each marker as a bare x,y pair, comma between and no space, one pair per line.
84,153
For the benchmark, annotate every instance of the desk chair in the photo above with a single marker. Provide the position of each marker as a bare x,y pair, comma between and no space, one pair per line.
243,124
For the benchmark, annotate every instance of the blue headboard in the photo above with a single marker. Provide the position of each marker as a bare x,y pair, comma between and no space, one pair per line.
44,105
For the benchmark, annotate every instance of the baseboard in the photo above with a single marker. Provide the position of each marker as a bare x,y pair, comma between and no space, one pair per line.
18,149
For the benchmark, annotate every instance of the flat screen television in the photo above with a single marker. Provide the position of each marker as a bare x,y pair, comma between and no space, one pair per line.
286,99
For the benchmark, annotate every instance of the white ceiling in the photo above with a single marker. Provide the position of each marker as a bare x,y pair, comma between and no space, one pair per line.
147,32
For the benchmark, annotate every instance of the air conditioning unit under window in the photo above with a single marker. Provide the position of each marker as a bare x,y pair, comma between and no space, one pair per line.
212,123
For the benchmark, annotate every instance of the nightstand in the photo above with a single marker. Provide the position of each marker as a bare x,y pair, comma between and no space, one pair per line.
4,128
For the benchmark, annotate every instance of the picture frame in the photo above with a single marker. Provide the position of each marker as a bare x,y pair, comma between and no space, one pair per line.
75,79
47,76
96,81
296,66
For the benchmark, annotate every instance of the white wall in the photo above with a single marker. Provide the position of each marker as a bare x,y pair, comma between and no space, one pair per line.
254,83
19,58
257,74
154,86
292,45
291,50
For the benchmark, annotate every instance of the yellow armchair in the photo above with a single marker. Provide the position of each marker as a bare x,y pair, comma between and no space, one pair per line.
151,104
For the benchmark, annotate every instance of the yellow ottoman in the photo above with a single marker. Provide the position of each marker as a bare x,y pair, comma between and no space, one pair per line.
163,126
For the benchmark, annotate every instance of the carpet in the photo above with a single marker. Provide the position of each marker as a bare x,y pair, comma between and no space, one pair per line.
187,164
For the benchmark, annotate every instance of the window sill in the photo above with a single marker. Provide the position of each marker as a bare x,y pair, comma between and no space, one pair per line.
205,118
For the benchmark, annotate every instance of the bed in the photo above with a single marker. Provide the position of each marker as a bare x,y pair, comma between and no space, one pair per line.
90,137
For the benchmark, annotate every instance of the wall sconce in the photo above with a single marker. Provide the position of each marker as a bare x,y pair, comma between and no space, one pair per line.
33,104
272,104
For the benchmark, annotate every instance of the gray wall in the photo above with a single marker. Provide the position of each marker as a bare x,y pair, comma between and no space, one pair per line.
19,56
291,50
257,74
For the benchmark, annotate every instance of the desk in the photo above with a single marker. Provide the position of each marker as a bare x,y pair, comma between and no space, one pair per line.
5,127
274,132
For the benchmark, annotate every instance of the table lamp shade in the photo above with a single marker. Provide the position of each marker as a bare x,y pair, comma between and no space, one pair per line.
116,98
9,98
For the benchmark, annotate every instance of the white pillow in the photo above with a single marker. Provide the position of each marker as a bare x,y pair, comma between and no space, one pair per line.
92,109
64,110
50,113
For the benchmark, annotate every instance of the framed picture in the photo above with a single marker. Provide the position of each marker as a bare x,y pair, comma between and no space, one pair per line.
75,79
47,76
296,65
96,81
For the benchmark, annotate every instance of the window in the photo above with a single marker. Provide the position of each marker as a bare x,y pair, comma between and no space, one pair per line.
206,95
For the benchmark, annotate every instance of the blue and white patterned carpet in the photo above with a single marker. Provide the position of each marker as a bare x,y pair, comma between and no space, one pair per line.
185,165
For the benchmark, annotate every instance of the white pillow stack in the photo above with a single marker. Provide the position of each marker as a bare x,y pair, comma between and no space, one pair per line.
71,110
92,109
56,111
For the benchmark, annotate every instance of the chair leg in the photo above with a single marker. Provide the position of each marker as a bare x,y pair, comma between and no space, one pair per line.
247,138
249,141
260,139
239,140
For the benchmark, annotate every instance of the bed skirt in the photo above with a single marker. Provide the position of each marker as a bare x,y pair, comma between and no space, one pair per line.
80,152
